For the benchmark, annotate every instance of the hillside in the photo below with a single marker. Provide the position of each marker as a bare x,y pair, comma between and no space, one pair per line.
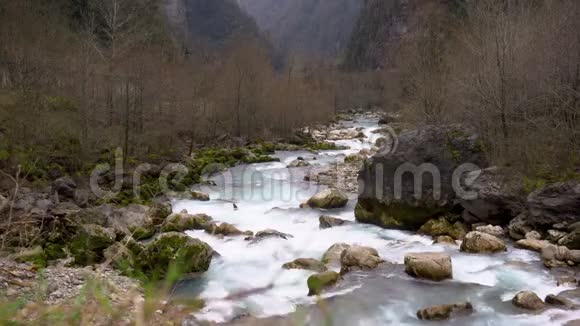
318,28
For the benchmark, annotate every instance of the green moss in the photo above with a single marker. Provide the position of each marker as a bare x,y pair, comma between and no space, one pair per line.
317,282
395,215
88,244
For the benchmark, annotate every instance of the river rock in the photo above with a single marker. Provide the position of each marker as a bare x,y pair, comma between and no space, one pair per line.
554,235
191,255
436,227
571,240
333,254
430,266
268,234
519,227
306,263
318,282
327,222
559,301
478,242
445,239
499,196
225,229
134,220
556,256
444,312
328,198
359,257
528,300
99,215
433,148
64,209
199,195
533,235
298,164
532,244
496,231
182,222
555,203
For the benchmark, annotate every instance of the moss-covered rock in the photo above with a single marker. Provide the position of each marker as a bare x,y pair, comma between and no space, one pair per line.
175,250
182,221
328,198
198,195
88,244
318,282
394,215
134,220
306,263
436,227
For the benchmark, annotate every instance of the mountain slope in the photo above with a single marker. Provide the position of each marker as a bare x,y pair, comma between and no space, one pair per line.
312,27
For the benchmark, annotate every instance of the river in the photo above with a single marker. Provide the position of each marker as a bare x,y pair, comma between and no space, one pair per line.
247,279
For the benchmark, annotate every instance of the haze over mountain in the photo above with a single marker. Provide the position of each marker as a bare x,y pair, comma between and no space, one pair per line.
319,28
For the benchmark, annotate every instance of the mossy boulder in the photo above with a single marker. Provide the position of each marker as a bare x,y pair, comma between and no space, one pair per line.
333,254
88,244
318,282
436,227
198,195
394,215
182,221
134,220
328,198
175,250
124,255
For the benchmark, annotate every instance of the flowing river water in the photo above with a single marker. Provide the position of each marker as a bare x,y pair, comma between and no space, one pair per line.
247,278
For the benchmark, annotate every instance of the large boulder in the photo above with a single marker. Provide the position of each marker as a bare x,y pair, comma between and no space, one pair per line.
327,222
333,254
528,300
134,220
176,250
478,242
442,226
553,204
532,244
328,198
387,193
318,282
183,221
430,266
444,312
306,263
359,257
499,196
519,227
495,230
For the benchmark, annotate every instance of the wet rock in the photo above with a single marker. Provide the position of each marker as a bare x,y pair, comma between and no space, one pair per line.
318,282
134,220
328,198
359,257
225,229
64,187
445,239
533,235
478,242
298,164
436,227
268,234
191,255
496,231
327,222
444,312
528,300
182,222
354,158
532,244
555,203
306,263
333,254
198,195
519,226
430,266
500,196
444,147
559,301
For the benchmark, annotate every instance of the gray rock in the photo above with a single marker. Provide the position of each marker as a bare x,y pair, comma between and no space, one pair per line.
444,312
571,240
298,164
496,231
532,244
478,242
533,235
328,198
500,196
554,235
442,148
559,301
333,254
327,222
81,197
528,300
64,209
359,257
134,220
306,263
556,203
64,187
557,256
519,227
